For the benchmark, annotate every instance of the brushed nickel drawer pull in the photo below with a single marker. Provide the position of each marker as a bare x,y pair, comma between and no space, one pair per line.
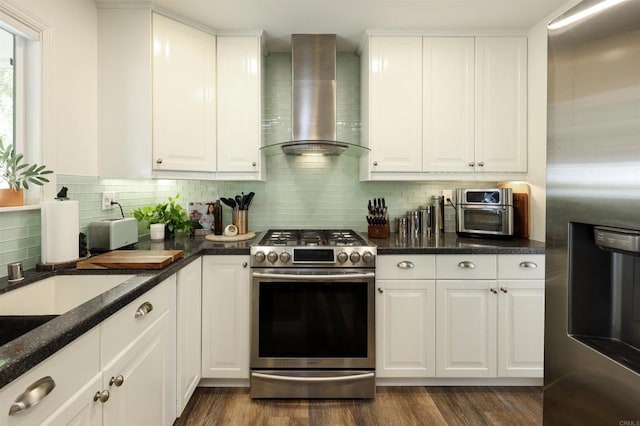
32,395
380,290
144,309
465,264
503,289
493,290
528,264
405,264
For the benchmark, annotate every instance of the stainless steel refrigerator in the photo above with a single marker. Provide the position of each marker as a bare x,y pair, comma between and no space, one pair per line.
592,322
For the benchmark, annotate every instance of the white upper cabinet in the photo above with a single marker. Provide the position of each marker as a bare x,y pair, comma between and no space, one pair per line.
184,101
448,104
501,104
167,108
239,60
392,96
444,108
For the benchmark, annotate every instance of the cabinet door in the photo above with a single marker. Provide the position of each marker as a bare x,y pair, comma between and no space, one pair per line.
225,317
501,104
395,104
184,126
405,328
521,328
466,328
147,393
448,104
81,409
239,62
189,326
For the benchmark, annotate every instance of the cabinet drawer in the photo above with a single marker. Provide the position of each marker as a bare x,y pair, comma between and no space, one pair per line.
521,266
70,368
466,266
131,321
406,267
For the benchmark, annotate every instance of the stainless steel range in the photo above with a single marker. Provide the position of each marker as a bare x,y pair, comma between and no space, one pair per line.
313,317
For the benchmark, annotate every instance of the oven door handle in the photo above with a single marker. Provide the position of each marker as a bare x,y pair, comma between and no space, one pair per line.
311,277
314,379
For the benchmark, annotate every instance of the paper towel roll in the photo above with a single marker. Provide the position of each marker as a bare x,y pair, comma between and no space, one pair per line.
60,228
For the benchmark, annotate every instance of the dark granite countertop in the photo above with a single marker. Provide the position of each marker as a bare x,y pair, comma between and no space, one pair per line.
23,353
450,243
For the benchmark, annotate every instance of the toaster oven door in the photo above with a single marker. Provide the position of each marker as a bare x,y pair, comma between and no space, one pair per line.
485,221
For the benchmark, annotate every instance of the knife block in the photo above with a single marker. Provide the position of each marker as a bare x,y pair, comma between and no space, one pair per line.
378,231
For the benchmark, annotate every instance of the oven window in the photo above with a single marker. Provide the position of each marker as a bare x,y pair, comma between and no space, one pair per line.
484,220
313,320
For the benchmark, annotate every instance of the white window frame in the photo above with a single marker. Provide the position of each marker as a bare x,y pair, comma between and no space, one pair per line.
33,59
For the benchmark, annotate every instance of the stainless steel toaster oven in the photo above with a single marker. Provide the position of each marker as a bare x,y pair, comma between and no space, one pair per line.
484,212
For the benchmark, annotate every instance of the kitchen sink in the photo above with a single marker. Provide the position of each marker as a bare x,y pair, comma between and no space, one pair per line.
30,306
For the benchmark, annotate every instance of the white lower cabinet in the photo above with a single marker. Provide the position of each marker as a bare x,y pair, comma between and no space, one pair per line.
189,332
64,373
405,328
80,409
225,317
460,316
466,332
138,347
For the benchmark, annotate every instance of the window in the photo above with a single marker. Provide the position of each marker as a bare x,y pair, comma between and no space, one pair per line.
7,87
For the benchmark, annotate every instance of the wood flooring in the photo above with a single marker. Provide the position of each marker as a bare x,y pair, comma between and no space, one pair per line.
396,406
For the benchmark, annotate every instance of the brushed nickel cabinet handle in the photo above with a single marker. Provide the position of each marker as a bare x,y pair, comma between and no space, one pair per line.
493,290
102,396
380,290
481,164
118,380
465,264
405,264
32,395
245,264
471,164
254,163
159,161
375,163
503,289
144,309
528,264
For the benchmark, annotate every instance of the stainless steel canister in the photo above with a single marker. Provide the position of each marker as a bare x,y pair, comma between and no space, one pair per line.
401,225
425,220
413,222
438,214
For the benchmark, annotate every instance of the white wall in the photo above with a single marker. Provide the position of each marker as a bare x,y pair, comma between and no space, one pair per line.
72,91
538,121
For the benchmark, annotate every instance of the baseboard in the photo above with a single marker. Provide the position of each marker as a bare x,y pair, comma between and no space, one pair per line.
451,381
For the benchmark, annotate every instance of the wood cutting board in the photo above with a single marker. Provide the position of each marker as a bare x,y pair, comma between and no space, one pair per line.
131,259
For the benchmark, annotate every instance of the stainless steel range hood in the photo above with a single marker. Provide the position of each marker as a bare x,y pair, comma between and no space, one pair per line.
313,104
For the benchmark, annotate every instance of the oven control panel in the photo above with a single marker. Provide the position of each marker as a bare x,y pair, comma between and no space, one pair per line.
345,257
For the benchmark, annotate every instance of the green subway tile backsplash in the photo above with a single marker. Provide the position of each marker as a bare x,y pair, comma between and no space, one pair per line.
299,192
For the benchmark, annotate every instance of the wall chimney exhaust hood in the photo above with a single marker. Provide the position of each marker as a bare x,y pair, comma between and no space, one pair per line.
313,103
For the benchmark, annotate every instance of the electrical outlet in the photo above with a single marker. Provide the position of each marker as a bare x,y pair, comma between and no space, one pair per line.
448,195
107,198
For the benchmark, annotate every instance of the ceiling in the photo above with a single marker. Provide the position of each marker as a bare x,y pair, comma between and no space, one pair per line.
350,18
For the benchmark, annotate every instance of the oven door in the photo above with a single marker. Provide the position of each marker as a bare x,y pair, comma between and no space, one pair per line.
483,220
313,319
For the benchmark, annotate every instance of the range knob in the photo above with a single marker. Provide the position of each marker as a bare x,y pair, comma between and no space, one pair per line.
272,257
355,257
367,257
285,257
342,257
259,256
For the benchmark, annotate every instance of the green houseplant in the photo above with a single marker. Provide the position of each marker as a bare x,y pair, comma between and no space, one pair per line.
174,217
18,175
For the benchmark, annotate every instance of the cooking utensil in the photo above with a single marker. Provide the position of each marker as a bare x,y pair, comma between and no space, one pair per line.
249,199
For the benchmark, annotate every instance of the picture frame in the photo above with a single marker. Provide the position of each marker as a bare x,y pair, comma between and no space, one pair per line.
202,223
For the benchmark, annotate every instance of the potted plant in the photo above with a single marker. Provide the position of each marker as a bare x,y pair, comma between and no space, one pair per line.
18,175
174,217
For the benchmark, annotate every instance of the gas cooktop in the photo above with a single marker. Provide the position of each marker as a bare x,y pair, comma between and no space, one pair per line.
311,237
312,247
